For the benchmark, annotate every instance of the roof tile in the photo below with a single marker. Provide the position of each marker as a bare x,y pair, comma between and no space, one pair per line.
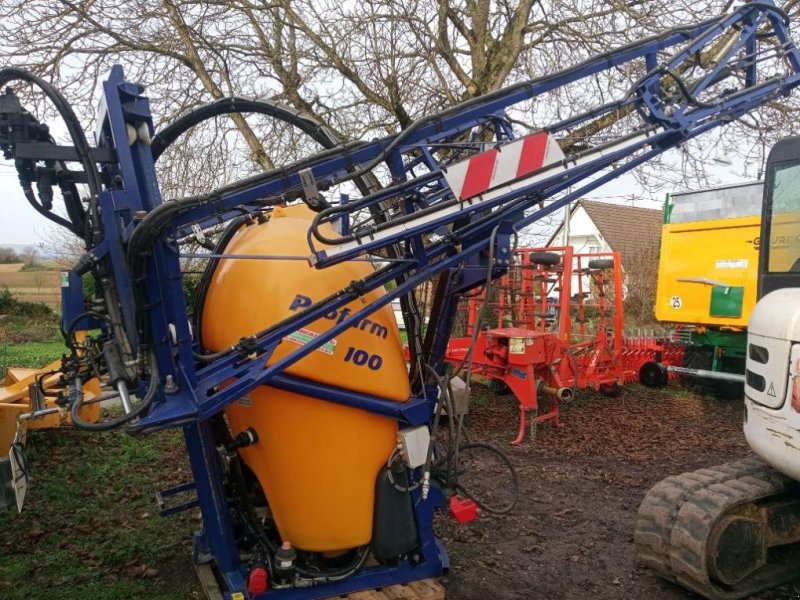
627,229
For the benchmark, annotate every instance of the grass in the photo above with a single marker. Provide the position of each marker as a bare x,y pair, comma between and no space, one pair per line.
29,341
30,334
91,529
32,354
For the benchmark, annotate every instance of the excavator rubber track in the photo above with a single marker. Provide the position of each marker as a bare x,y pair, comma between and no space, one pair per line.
677,518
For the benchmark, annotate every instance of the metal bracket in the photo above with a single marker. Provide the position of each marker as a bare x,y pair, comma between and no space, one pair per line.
174,491
44,151
311,193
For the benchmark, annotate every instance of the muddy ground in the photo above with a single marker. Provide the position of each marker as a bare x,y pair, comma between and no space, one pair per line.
571,534
91,529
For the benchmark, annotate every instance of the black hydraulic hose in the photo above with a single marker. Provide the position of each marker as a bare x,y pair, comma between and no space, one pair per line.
315,130
69,332
769,8
77,215
393,143
83,149
514,489
74,128
684,89
152,225
401,137
139,247
334,575
31,198
327,213
446,393
154,219
141,408
202,290
234,104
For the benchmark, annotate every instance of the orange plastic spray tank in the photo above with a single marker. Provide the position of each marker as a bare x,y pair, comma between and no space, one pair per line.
317,461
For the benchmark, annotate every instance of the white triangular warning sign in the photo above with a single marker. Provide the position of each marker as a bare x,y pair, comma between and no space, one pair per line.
771,390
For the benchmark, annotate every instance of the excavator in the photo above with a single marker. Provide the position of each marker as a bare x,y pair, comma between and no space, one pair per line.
731,530
316,454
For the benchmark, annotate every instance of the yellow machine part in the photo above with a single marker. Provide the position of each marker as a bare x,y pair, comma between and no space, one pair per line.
317,461
15,400
698,256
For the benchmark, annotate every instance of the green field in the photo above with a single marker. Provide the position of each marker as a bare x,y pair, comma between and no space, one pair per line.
29,334
91,528
30,354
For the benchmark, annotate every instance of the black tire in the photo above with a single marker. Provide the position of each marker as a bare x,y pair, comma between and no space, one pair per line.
729,390
601,263
497,387
652,375
699,357
548,259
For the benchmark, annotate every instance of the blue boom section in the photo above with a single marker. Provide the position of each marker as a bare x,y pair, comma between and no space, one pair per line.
439,231
692,80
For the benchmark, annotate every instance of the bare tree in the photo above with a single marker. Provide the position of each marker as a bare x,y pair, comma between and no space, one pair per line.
363,69
29,256
8,256
641,282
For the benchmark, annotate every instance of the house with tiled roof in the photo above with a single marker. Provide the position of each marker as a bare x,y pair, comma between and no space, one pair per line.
604,227
633,231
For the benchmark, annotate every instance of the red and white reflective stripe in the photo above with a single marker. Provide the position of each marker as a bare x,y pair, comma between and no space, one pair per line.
626,146
502,164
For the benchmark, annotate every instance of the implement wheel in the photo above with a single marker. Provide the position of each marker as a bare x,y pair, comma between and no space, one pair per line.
548,259
601,263
652,375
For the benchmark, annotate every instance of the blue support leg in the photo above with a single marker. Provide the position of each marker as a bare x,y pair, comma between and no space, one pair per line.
218,535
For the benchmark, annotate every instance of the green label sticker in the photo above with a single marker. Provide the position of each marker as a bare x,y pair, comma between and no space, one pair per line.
304,336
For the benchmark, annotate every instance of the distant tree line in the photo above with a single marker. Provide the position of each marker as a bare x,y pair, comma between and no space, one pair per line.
10,256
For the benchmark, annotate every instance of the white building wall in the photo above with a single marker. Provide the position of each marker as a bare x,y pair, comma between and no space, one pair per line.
584,237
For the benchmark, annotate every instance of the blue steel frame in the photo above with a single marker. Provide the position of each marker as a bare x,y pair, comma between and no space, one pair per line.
462,260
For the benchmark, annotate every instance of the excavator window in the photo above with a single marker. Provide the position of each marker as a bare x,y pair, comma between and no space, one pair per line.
784,223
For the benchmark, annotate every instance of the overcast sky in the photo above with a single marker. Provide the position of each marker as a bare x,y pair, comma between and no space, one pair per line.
20,224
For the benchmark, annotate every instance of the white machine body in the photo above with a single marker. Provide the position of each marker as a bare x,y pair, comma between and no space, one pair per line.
772,381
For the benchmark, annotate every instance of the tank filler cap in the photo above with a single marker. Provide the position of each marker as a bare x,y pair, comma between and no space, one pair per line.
257,580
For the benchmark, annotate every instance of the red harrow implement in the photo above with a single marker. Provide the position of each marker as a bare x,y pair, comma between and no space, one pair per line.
551,325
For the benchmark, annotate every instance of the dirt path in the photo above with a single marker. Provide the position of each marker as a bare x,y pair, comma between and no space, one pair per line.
571,536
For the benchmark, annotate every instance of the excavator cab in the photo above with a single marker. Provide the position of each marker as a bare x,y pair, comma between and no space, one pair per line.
779,244
772,416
